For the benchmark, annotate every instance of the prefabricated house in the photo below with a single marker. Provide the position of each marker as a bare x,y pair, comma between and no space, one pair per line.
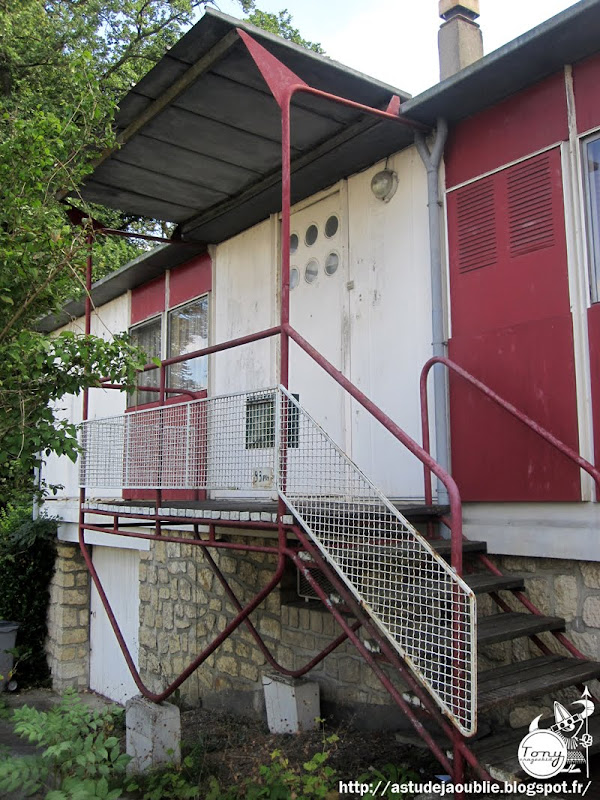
289,493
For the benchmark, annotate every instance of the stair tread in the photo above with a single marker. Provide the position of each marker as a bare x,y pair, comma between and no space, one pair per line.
543,675
512,625
499,750
482,582
443,546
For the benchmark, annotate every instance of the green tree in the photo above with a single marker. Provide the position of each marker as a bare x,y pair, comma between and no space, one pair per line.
63,66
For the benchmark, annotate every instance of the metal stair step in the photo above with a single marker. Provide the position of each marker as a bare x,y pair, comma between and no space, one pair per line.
537,676
443,546
512,625
484,582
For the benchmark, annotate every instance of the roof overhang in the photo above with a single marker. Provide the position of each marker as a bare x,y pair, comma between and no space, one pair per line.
201,133
140,270
566,38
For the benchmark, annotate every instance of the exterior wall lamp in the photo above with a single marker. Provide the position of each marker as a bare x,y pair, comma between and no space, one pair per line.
384,185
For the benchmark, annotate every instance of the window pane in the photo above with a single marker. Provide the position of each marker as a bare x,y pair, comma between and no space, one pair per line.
147,336
593,191
188,331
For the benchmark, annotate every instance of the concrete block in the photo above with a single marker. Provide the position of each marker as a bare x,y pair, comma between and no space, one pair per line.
153,734
292,704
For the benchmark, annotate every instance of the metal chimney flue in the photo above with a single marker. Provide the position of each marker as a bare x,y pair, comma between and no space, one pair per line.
460,41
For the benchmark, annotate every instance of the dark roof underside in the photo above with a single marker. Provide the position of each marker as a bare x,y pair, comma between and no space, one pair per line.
210,159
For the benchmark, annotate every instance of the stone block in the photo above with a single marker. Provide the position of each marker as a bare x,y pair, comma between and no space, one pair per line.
292,704
591,574
591,612
566,596
153,734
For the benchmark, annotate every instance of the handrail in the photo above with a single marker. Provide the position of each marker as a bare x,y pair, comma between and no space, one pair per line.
491,394
419,452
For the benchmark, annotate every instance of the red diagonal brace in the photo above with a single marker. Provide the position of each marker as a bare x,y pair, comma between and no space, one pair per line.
278,77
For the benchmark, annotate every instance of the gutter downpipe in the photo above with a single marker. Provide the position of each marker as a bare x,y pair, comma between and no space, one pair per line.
432,160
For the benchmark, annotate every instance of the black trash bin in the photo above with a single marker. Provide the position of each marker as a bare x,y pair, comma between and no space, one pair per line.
8,636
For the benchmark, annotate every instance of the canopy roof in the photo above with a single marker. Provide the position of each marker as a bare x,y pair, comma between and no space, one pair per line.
202,133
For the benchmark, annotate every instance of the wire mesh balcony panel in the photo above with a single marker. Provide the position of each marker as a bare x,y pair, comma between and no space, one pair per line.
222,443
415,598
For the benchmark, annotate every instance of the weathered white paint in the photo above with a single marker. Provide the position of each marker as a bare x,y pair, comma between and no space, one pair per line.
319,312
118,570
68,530
390,318
244,301
107,320
551,530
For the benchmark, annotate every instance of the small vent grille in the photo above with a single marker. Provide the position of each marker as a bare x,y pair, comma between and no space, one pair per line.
304,588
477,245
530,212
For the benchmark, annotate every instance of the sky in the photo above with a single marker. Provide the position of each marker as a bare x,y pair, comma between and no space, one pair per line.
395,41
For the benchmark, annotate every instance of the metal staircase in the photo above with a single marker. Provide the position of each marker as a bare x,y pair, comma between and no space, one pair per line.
397,584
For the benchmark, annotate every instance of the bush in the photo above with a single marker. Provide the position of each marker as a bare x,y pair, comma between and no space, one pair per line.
82,756
27,554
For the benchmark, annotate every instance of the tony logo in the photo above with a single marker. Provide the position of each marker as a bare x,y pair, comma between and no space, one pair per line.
563,747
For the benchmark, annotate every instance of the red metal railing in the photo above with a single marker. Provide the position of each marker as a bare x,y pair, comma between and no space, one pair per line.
509,407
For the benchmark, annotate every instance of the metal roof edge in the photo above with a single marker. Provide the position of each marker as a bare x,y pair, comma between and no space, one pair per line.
423,105
139,270
273,38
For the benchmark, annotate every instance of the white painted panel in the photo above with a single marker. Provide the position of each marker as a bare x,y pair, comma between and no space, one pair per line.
245,296
318,311
107,320
244,301
390,325
118,571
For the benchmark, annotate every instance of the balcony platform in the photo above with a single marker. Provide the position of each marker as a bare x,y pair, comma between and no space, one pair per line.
237,510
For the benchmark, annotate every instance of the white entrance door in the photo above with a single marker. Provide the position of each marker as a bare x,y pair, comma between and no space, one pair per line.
319,309
118,571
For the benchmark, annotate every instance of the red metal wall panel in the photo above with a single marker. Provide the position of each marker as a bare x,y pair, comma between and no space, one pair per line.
148,300
190,280
586,76
494,456
594,339
526,122
512,328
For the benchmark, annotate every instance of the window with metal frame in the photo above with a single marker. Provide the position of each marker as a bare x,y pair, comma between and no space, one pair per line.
591,175
187,330
147,336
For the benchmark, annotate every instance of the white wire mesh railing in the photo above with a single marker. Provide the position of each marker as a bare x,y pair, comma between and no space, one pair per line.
221,443
414,597
252,441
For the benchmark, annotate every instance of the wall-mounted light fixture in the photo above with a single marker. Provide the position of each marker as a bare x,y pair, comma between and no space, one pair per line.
384,185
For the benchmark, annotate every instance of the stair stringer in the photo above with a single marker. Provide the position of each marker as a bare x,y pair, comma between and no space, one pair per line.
413,597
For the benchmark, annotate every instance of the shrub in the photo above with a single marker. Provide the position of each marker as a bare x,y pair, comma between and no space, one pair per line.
27,554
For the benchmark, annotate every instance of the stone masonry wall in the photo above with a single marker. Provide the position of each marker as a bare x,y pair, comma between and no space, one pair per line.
183,607
68,644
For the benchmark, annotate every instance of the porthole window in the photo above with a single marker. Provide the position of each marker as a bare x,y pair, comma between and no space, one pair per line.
294,277
331,226
311,271
332,262
293,243
312,232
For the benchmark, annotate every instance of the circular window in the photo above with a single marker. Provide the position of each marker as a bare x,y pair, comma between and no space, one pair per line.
311,271
332,262
331,226
312,233
293,242
294,277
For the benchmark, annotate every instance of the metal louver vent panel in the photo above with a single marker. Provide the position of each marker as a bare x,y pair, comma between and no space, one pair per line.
477,244
530,211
